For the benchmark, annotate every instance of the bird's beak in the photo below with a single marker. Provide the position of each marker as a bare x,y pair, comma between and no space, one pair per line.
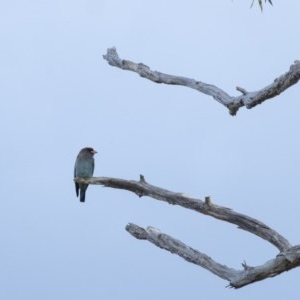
94,151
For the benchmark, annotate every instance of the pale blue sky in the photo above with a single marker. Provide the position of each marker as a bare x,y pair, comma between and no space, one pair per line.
59,95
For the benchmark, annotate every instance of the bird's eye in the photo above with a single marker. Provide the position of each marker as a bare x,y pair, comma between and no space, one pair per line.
93,151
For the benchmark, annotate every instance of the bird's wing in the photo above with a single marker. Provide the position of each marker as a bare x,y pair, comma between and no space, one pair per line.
76,184
77,188
93,166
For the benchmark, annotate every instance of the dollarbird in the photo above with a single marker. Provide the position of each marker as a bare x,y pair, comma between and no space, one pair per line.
84,167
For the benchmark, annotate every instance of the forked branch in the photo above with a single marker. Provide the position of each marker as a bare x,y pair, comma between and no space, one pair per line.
288,258
233,103
285,261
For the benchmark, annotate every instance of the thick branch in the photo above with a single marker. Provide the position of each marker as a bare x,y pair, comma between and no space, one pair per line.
288,258
237,278
248,99
142,188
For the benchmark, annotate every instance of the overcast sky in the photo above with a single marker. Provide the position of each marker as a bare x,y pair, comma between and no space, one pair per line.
58,95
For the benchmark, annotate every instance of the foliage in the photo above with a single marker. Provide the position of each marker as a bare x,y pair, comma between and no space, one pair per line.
261,4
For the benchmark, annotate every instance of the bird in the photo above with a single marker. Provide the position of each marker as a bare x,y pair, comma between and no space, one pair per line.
84,167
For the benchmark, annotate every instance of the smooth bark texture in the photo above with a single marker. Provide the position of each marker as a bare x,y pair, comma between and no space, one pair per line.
288,258
233,103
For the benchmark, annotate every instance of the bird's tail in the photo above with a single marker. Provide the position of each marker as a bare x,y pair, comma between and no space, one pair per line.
82,196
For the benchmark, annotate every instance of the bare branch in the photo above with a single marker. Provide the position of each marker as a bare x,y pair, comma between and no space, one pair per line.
288,258
191,255
142,188
248,99
237,278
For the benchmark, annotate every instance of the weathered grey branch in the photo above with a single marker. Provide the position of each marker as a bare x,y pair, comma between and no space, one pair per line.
191,255
142,188
247,99
288,258
285,261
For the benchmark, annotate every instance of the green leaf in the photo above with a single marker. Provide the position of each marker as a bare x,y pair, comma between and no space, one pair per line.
261,4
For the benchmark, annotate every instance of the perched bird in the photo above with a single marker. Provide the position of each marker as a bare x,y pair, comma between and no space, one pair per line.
84,167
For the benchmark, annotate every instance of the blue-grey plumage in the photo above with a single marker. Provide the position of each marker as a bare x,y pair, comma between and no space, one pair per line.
84,167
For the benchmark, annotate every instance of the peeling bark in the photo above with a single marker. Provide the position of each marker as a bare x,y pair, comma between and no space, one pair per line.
288,258
233,103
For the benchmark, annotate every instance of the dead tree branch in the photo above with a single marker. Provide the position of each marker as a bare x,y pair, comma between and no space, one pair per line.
247,99
142,188
285,261
288,258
